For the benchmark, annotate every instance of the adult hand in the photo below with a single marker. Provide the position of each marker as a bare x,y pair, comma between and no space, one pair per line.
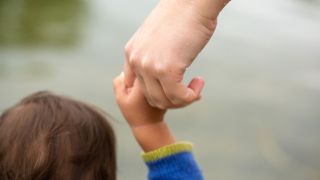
165,45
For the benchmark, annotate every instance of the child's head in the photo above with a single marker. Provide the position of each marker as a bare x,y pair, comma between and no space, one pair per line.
46,136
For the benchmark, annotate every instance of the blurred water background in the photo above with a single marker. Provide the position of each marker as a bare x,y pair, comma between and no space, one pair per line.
260,113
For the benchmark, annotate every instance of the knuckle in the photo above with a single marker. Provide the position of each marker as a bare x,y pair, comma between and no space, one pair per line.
128,48
134,58
146,65
160,70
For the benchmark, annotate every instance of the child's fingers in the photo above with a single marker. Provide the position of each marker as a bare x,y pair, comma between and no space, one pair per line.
125,95
119,86
137,90
129,75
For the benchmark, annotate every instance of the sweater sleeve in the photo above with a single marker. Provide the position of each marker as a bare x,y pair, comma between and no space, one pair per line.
172,162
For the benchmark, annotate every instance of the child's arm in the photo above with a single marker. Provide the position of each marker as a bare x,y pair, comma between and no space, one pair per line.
165,158
145,121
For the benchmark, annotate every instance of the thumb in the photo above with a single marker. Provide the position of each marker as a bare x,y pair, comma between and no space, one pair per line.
129,75
196,85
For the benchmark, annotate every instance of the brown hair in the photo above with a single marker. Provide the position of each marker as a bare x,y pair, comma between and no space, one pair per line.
46,136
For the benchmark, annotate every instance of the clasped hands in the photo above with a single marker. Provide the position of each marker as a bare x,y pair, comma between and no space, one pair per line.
165,45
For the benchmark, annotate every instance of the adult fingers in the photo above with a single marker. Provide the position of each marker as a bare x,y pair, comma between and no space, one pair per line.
156,96
179,94
141,88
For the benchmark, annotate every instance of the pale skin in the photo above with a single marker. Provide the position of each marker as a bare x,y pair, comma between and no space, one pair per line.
146,122
165,45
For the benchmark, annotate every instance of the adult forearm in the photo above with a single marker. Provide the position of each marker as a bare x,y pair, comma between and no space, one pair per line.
207,8
211,8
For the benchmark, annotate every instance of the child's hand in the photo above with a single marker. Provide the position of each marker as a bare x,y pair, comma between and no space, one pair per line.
146,122
134,106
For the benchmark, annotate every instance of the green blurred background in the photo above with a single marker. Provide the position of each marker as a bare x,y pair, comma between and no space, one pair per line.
260,113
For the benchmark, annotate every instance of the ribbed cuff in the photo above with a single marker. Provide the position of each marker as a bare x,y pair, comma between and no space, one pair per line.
167,151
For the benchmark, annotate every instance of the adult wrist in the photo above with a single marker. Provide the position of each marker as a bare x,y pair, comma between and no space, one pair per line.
210,8
205,11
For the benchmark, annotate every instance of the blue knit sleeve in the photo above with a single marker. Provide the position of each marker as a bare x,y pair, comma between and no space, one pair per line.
173,162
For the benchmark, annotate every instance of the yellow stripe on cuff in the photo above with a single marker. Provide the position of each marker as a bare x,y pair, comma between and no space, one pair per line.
167,151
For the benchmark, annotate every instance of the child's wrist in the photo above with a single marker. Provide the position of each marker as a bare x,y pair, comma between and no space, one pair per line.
153,136
143,122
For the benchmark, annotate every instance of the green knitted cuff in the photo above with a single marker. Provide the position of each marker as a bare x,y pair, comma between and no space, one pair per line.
167,151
